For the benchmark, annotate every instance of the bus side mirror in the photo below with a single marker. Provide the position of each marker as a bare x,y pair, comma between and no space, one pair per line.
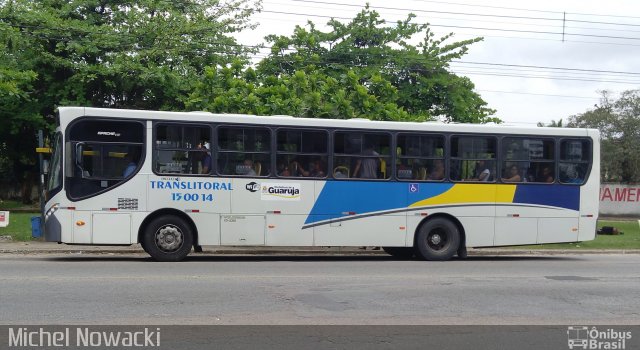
79,149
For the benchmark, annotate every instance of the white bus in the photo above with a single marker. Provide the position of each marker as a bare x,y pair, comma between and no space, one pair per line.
174,182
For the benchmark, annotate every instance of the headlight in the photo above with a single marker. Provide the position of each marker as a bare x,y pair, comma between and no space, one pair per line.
51,210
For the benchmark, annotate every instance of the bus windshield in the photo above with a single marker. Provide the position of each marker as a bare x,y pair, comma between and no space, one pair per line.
103,155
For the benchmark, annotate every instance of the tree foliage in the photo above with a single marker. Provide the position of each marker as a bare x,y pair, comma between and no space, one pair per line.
176,55
364,68
619,123
309,93
106,53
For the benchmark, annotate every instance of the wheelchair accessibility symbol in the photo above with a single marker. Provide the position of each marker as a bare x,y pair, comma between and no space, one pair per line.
413,188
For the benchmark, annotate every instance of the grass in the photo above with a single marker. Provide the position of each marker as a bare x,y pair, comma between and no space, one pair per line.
6,204
19,226
630,239
20,229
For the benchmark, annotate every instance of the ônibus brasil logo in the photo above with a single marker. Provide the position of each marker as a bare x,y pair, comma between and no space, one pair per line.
581,337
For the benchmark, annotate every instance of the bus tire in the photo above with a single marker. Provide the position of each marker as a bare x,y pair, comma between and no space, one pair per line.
438,239
168,238
400,252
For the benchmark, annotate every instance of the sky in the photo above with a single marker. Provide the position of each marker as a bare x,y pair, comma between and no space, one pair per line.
525,67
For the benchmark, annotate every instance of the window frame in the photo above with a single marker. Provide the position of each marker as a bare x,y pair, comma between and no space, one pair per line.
450,157
333,154
444,158
270,153
554,161
276,152
589,161
154,147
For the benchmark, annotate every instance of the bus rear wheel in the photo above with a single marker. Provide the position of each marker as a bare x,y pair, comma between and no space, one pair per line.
168,238
400,252
438,239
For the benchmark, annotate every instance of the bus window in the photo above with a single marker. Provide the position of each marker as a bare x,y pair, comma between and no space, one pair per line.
244,151
301,153
473,158
361,155
575,156
182,149
420,157
102,155
104,161
527,160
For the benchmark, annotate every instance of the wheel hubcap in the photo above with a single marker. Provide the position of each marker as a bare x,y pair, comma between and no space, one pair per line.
437,239
169,238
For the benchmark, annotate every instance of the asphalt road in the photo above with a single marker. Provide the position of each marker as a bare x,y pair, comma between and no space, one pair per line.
131,289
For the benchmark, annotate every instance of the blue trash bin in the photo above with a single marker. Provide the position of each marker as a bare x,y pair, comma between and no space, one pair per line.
35,227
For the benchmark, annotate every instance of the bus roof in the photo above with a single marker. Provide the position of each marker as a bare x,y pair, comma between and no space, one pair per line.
68,114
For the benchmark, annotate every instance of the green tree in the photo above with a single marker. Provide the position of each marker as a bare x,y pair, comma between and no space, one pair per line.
310,93
106,53
619,123
416,78
16,109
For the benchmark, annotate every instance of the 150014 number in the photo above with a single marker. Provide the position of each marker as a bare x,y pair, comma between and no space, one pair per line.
192,197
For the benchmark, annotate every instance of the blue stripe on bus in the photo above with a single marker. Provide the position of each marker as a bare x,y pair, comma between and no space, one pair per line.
563,196
339,197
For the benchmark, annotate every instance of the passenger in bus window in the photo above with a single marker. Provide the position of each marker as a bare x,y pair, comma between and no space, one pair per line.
206,160
513,175
367,168
403,170
573,175
295,169
316,169
133,157
246,168
195,160
283,170
546,175
481,172
438,170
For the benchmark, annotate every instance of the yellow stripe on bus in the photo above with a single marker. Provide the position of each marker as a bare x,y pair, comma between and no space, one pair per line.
472,193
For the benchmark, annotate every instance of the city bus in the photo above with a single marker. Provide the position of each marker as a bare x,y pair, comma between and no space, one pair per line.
177,181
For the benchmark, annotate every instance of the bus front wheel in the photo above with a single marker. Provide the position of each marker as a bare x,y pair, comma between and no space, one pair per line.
438,239
168,238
